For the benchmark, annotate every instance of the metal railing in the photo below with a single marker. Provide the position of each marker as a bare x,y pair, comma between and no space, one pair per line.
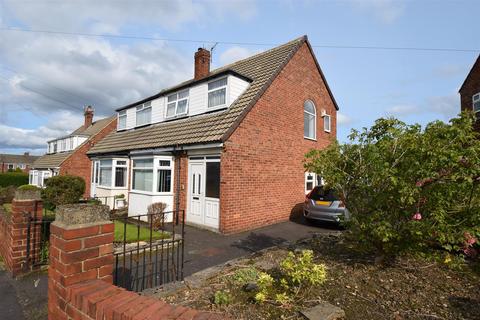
38,241
149,251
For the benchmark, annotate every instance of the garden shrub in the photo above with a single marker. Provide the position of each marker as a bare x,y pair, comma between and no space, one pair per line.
13,179
7,194
63,190
222,298
408,189
28,187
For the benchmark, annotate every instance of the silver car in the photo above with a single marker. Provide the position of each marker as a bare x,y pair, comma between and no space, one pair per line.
322,204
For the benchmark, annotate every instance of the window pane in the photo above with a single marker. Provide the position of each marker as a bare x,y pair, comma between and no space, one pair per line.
164,163
183,94
164,180
144,116
309,186
120,177
106,176
172,97
121,163
213,180
171,109
216,98
309,107
122,122
142,179
105,163
143,163
217,84
182,106
326,122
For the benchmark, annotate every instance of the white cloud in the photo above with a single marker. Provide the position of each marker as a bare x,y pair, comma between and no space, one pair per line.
387,11
448,106
343,119
404,109
234,54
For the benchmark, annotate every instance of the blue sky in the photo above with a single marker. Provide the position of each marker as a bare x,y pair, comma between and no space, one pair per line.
46,78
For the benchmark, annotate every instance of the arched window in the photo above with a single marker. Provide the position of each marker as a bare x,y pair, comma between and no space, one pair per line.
309,120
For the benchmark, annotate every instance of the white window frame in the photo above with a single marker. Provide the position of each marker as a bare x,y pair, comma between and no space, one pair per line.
120,116
476,100
175,102
155,168
142,108
114,164
327,119
11,164
217,89
315,180
100,167
314,120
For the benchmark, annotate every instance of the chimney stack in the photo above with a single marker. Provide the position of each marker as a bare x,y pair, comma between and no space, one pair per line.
26,154
202,63
88,113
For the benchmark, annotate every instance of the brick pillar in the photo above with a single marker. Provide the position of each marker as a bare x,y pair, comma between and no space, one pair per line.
27,203
81,248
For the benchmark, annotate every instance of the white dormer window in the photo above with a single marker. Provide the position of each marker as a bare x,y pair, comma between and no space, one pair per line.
327,123
217,93
476,102
122,120
144,114
177,104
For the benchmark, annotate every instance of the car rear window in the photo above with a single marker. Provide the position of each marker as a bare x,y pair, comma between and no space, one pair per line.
322,194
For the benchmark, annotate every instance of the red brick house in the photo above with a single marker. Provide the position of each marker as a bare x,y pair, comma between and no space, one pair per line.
470,89
12,162
67,155
226,146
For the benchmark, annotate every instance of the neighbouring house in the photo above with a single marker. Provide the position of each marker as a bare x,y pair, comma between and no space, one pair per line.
226,146
470,91
12,162
67,155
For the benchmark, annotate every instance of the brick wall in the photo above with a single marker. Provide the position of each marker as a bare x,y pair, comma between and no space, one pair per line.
13,234
262,176
470,87
78,164
80,273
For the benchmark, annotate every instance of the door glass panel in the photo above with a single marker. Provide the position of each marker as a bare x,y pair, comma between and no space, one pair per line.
213,180
193,183
199,184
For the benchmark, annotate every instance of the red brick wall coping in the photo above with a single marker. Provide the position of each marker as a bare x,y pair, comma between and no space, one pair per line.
97,299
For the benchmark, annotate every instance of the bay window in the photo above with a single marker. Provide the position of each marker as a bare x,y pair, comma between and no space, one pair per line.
217,93
120,173
142,175
153,174
177,104
144,114
110,173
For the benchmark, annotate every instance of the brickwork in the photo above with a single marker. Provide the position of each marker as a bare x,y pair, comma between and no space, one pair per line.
262,176
78,164
14,233
181,160
80,276
470,87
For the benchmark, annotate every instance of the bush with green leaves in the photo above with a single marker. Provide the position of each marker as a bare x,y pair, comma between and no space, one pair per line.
222,298
13,179
63,190
408,188
297,272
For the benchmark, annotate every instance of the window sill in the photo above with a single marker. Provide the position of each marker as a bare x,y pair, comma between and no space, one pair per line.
150,193
311,139
111,188
327,131
223,106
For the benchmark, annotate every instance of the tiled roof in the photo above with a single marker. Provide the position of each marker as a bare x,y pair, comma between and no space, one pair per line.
17,158
53,160
95,128
212,127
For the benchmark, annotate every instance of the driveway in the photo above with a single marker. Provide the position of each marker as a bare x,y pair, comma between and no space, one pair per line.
204,249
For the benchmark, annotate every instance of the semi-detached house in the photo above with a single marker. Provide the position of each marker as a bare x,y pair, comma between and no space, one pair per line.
226,146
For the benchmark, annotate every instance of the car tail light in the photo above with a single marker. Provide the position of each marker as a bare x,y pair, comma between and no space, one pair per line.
341,204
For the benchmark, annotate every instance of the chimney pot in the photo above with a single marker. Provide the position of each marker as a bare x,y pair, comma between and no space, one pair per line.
202,63
88,113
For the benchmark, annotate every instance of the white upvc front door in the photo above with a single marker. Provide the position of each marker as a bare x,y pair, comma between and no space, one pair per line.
203,191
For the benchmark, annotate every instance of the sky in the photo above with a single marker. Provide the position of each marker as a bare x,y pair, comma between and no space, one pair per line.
47,75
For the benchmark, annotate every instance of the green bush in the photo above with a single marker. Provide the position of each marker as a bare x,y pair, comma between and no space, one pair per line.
408,189
63,190
28,187
13,179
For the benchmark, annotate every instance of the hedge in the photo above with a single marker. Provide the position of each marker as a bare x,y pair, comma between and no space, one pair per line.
13,179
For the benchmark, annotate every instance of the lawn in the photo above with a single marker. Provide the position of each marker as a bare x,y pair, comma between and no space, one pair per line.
132,233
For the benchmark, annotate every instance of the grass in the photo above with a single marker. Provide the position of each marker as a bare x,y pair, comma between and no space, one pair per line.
132,233
46,213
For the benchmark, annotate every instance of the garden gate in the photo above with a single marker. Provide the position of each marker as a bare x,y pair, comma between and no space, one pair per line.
149,250
38,241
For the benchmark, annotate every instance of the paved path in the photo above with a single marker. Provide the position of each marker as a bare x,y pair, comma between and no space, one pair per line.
204,249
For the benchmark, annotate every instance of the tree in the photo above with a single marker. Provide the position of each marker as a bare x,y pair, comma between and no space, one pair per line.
63,190
407,188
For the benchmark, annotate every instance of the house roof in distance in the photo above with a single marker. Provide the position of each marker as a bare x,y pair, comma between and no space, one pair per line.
18,158
54,160
261,69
